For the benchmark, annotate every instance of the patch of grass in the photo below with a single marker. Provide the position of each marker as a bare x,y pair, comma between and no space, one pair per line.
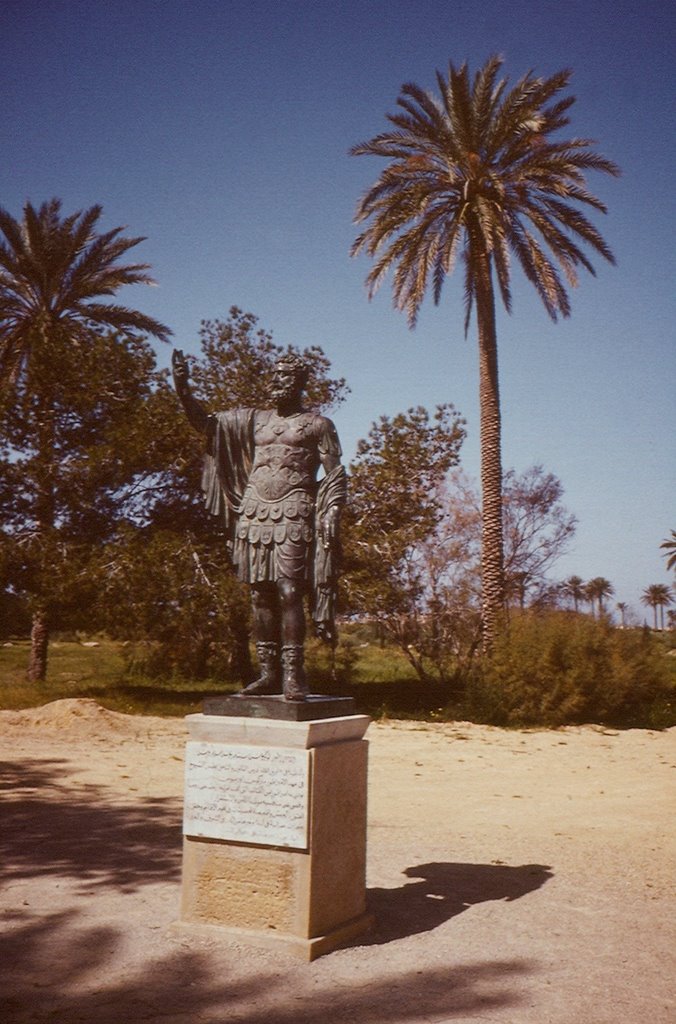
99,673
531,684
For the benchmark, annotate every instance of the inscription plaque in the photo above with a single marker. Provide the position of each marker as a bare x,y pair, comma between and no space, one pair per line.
247,794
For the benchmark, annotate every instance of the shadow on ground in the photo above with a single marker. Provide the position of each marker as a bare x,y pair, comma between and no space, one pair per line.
59,968
52,827
445,890
69,966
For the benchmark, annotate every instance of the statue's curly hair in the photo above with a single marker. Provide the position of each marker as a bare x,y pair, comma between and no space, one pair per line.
298,366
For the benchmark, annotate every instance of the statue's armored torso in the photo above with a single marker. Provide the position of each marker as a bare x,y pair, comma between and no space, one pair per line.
275,526
286,454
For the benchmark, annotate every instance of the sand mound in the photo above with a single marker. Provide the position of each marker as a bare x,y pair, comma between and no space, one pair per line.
73,714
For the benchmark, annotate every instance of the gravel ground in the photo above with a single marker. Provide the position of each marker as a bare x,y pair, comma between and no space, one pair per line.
516,877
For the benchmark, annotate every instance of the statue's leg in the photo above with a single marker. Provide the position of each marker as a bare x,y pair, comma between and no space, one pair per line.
293,636
266,623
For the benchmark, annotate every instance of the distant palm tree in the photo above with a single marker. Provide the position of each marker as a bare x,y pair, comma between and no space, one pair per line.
670,551
475,171
622,609
574,588
597,590
657,595
54,272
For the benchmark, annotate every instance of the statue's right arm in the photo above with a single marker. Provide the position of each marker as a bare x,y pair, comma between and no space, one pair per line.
194,410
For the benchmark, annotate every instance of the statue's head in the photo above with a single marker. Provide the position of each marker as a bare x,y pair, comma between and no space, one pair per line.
289,377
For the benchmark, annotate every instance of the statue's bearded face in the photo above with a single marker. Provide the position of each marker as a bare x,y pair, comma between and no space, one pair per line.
287,383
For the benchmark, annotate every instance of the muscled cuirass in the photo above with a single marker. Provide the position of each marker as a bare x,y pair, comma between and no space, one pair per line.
285,457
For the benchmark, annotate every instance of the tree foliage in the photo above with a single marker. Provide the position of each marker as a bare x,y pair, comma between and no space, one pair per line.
177,604
238,359
60,501
433,598
394,509
555,668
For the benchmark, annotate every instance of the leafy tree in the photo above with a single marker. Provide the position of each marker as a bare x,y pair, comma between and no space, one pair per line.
174,598
394,510
60,502
536,524
414,542
479,171
657,595
537,528
237,361
574,587
598,589
54,273
670,551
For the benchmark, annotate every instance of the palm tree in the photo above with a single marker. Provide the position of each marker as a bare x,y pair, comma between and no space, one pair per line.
54,272
575,589
657,595
598,589
670,551
622,609
475,172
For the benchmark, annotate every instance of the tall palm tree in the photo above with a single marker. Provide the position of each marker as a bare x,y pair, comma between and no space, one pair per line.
574,587
657,595
597,590
54,272
622,609
475,172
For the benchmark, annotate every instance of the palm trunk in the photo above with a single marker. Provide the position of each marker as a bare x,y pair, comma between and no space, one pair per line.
45,516
37,665
492,557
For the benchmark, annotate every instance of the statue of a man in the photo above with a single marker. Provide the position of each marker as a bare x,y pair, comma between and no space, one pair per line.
260,477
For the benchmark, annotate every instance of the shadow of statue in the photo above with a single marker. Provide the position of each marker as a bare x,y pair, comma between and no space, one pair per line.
445,890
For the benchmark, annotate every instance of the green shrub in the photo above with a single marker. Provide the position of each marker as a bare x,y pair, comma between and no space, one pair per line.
559,668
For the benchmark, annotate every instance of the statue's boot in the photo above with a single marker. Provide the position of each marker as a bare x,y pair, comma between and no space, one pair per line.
293,673
269,680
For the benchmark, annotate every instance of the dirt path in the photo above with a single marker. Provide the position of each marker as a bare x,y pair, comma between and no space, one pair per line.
517,878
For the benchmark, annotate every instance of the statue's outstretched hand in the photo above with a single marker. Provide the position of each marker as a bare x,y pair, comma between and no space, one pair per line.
179,365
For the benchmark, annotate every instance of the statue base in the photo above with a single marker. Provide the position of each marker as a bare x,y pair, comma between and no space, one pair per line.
274,849
315,706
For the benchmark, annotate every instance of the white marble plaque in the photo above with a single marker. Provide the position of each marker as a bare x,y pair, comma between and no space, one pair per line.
247,794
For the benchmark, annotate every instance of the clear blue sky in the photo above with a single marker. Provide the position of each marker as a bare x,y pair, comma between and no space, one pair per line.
220,131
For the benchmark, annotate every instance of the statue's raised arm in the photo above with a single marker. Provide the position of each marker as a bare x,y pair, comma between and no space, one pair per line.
194,410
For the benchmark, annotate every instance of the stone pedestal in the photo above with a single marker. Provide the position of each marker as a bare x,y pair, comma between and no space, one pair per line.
275,830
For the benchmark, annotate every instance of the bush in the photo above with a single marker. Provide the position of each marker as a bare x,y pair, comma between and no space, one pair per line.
559,668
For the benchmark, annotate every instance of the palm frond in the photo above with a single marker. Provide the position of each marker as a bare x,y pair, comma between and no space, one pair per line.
468,166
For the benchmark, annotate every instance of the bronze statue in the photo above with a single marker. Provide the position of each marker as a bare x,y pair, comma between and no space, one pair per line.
260,477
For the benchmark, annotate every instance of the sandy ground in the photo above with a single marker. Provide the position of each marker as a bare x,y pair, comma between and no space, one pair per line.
521,877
